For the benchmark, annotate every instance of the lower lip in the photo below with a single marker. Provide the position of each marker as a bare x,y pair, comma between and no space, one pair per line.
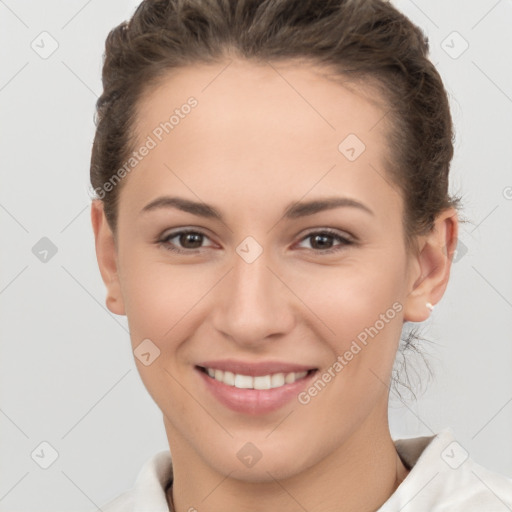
254,401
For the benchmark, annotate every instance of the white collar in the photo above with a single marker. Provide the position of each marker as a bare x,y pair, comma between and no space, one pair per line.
435,478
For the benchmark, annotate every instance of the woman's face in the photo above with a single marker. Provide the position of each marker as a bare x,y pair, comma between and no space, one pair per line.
260,281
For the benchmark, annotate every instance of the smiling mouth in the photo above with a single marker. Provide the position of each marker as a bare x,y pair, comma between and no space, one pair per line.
260,382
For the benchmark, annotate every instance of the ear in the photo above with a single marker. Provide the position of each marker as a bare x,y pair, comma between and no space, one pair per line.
430,267
106,254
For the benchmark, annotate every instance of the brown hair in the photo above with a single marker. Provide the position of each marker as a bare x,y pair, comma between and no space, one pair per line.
365,41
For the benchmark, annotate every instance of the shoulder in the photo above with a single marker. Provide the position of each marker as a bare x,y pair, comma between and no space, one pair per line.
473,487
148,493
443,477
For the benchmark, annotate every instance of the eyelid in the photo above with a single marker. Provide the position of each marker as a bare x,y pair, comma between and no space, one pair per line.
330,231
193,229
346,240
173,233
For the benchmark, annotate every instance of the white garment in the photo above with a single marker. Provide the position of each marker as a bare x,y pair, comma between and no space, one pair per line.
443,478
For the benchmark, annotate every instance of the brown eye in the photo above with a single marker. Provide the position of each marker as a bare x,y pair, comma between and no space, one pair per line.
322,241
187,241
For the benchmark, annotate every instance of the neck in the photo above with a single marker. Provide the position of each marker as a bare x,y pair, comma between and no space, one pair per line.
359,476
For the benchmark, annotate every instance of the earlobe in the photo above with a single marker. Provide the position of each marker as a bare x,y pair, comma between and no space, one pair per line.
432,267
106,254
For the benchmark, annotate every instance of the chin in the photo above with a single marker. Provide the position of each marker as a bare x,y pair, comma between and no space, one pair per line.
260,460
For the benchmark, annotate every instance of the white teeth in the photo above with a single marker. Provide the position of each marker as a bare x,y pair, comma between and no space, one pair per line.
262,382
229,378
241,381
275,380
289,378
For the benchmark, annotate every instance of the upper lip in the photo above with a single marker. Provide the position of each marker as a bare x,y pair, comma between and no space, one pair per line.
255,369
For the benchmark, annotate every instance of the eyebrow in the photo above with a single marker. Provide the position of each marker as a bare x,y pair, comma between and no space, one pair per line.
293,211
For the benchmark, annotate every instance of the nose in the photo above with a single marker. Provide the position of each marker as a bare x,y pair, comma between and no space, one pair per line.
254,305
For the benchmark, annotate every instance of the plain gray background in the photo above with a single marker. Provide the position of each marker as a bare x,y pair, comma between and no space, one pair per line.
67,373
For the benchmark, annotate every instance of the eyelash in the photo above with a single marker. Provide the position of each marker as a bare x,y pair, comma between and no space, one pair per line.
164,242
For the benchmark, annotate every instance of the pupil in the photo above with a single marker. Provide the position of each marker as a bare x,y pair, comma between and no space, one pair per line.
322,238
186,237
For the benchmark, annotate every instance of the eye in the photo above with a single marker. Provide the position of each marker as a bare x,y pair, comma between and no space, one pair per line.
189,239
322,240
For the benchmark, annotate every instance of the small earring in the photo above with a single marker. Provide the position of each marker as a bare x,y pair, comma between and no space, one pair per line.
429,306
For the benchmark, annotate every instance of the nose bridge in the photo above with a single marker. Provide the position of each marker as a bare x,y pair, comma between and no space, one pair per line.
252,304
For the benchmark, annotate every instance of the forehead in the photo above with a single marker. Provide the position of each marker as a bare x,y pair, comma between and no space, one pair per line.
282,125
289,94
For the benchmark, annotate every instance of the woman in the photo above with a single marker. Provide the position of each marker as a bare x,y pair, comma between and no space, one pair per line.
271,207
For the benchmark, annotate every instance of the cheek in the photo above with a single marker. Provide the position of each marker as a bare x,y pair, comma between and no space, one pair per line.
162,299
364,311
360,305
162,304
353,296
